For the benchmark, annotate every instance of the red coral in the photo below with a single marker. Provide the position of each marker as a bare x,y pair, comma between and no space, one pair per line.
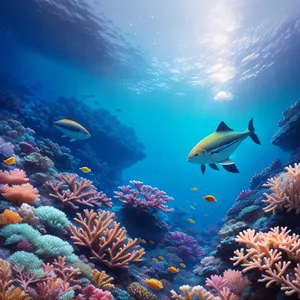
78,192
16,176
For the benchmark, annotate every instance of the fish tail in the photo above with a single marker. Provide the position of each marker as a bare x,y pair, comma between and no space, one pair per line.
253,135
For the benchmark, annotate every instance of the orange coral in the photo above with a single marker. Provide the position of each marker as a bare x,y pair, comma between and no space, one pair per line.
19,194
16,176
107,242
266,251
103,280
9,217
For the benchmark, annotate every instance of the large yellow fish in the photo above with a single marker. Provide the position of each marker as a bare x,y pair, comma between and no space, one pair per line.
154,284
210,198
10,161
217,147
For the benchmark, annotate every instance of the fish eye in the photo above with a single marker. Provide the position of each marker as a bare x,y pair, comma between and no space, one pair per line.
196,154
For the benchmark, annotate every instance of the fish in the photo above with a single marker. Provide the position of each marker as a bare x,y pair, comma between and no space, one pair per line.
210,198
217,147
151,242
154,259
85,169
194,189
173,270
182,265
142,241
154,284
71,129
161,257
192,207
191,221
10,161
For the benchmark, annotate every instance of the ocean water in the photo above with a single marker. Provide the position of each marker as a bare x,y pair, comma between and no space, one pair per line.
169,70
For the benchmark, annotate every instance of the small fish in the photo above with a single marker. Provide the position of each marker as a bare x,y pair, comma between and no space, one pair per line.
182,265
161,257
194,189
192,207
154,284
118,109
10,161
136,270
85,169
142,241
151,242
210,198
173,270
191,221
217,147
154,259
71,129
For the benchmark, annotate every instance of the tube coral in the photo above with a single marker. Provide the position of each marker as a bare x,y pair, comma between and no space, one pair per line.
267,251
107,242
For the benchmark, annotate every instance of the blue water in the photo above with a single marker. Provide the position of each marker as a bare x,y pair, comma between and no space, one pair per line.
161,66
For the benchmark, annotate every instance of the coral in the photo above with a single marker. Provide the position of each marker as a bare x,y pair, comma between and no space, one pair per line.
52,216
27,148
139,292
84,268
285,191
103,280
143,196
9,217
19,194
275,254
6,149
91,293
186,246
105,239
26,211
15,176
78,192
231,228
250,213
36,162
190,293
243,195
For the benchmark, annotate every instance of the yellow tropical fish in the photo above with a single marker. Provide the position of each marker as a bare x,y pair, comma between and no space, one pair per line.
154,259
194,189
151,242
192,207
154,284
182,265
85,169
161,257
210,198
173,269
191,221
10,161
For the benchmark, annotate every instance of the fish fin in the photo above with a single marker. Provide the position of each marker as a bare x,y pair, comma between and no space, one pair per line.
72,140
214,166
64,136
253,135
231,168
203,169
227,161
223,127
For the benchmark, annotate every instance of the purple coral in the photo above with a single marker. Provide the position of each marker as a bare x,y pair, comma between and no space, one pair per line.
6,149
187,247
143,196
27,148
244,195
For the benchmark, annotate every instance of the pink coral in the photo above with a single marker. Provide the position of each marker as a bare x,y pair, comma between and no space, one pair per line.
143,196
285,191
19,194
92,293
275,254
77,192
15,176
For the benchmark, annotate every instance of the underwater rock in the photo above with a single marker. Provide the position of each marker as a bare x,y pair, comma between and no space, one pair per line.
250,213
36,162
231,228
287,137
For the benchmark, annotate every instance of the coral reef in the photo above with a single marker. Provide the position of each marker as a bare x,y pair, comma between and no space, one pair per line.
139,292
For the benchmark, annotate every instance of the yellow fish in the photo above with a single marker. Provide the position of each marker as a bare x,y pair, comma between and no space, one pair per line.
191,221
192,207
161,258
142,241
173,270
154,259
182,265
194,189
85,169
210,198
154,284
10,161
151,242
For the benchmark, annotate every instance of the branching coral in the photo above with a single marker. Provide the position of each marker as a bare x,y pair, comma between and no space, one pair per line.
267,252
19,194
190,293
285,191
103,280
9,217
105,238
143,196
72,192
